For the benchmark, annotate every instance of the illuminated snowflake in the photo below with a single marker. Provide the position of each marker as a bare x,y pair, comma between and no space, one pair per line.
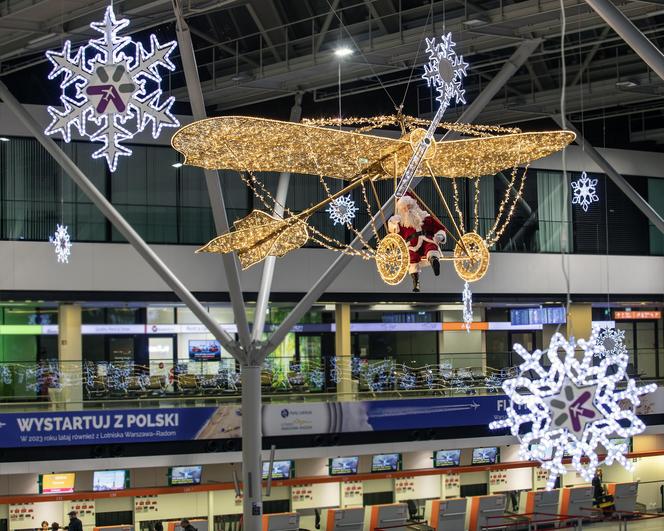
445,70
111,89
612,340
62,244
467,306
342,210
585,191
573,407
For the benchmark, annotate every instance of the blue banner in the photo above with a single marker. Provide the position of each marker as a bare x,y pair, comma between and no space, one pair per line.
66,428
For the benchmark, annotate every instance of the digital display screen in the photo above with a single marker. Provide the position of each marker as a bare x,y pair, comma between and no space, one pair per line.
445,458
343,466
109,480
57,483
627,441
386,463
280,469
485,456
546,455
186,475
543,315
204,350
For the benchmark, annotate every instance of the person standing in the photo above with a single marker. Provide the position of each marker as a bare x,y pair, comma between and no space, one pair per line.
74,523
158,526
598,490
186,525
45,526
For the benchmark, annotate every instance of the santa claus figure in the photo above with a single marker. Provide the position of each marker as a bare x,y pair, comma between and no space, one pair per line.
422,233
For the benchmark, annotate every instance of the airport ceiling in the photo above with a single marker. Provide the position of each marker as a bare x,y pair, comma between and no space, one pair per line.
254,55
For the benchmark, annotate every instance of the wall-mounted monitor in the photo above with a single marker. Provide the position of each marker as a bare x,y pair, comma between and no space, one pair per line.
204,350
185,475
57,483
622,440
343,466
446,458
386,463
545,454
485,456
280,469
103,480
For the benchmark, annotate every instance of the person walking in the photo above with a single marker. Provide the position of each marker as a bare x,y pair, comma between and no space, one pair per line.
74,523
186,525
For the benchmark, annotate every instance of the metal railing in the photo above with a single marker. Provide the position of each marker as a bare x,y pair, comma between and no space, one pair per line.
53,384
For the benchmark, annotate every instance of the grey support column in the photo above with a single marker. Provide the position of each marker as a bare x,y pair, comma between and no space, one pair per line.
627,188
516,61
269,263
624,27
118,221
252,435
215,193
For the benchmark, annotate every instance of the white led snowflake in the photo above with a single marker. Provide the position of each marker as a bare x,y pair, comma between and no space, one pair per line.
62,244
467,306
445,70
613,341
585,191
111,89
572,407
342,210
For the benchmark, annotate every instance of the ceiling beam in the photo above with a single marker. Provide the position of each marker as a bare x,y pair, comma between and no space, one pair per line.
326,25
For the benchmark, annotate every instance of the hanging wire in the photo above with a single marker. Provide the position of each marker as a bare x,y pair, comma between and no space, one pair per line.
342,26
417,54
564,233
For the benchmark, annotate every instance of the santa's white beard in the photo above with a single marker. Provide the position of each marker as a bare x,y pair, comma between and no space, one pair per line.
412,217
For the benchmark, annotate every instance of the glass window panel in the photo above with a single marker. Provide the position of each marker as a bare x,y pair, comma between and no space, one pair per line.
160,315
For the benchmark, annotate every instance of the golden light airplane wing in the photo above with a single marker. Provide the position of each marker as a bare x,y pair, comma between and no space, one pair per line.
245,143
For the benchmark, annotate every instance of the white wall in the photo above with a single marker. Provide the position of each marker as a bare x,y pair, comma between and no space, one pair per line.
117,267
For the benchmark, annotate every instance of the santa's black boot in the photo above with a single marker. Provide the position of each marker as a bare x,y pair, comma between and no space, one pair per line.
435,265
416,282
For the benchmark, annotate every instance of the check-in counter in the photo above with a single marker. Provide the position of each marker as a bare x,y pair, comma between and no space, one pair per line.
281,522
540,501
482,509
128,527
348,519
576,501
200,525
391,515
447,515
624,495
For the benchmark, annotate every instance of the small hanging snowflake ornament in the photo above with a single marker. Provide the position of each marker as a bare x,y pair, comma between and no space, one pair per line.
613,341
467,306
573,407
62,244
111,89
585,191
342,210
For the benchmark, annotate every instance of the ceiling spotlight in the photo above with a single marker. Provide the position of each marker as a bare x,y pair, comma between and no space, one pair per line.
4,139
343,51
627,83
177,165
476,21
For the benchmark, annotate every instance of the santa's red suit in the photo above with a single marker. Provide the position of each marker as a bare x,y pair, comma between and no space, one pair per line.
422,233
